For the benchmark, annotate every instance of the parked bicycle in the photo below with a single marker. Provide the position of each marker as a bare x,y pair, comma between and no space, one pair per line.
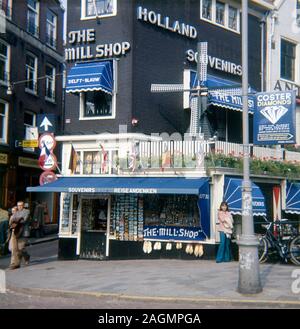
286,246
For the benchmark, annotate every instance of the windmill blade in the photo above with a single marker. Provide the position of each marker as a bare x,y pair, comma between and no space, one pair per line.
163,88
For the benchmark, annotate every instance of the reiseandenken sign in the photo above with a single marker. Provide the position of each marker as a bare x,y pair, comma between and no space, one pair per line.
274,118
174,233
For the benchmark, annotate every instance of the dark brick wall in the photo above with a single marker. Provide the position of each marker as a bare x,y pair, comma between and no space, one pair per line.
157,56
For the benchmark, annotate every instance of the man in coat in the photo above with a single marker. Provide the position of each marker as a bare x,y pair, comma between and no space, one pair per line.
19,225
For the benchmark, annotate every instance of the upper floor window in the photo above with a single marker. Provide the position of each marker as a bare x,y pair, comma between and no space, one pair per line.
93,8
288,59
5,6
51,29
50,82
4,62
221,14
31,73
3,121
29,122
33,17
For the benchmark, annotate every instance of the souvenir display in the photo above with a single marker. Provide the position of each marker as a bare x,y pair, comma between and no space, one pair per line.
198,250
127,221
177,210
66,204
75,214
189,249
147,247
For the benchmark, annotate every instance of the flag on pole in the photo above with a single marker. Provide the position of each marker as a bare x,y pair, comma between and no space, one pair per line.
73,160
134,156
104,159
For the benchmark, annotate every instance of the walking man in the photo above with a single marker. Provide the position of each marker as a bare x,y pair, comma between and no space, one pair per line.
19,226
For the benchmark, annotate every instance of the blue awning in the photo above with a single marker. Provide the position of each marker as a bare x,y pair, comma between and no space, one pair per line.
116,185
213,82
91,77
233,196
224,93
292,198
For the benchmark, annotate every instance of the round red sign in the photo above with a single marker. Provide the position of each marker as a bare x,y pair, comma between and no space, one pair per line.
47,177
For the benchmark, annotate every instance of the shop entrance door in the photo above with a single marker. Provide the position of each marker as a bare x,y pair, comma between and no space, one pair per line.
94,215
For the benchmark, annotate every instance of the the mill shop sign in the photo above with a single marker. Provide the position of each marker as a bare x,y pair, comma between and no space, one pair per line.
188,31
84,52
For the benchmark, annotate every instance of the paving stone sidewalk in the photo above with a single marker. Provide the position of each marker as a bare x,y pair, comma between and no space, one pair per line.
162,279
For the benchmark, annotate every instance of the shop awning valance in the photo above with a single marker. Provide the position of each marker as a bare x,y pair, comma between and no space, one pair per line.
292,198
233,196
117,185
226,99
91,77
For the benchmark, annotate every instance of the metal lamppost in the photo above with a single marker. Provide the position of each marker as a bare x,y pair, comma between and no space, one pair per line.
249,275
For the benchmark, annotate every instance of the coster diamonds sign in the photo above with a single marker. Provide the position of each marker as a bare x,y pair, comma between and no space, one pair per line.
274,118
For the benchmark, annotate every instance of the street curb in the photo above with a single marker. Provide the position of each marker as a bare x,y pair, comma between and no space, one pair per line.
42,241
69,294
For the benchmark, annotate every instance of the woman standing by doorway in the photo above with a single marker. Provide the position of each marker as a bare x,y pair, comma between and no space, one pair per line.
225,226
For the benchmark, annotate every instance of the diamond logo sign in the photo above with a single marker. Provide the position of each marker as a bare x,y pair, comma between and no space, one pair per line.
274,118
274,113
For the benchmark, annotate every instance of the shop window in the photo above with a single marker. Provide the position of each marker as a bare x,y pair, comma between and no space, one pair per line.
96,105
51,29
3,121
98,8
4,62
33,17
221,14
168,210
288,58
50,83
31,73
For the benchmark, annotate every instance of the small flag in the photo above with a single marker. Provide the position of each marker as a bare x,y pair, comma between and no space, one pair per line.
104,162
133,159
73,160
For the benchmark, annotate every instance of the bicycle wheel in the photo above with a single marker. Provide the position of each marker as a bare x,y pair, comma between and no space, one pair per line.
263,250
294,250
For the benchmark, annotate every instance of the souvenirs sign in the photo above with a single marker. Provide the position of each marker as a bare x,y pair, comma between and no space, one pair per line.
274,118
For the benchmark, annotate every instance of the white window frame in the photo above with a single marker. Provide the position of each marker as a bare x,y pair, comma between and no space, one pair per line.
226,13
84,11
4,138
34,91
37,16
113,102
52,25
53,84
7,63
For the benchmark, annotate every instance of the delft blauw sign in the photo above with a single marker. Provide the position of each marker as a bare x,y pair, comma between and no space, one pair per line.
274,118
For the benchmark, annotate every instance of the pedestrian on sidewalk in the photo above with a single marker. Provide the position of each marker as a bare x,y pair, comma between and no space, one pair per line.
38,220
19,234
225,226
